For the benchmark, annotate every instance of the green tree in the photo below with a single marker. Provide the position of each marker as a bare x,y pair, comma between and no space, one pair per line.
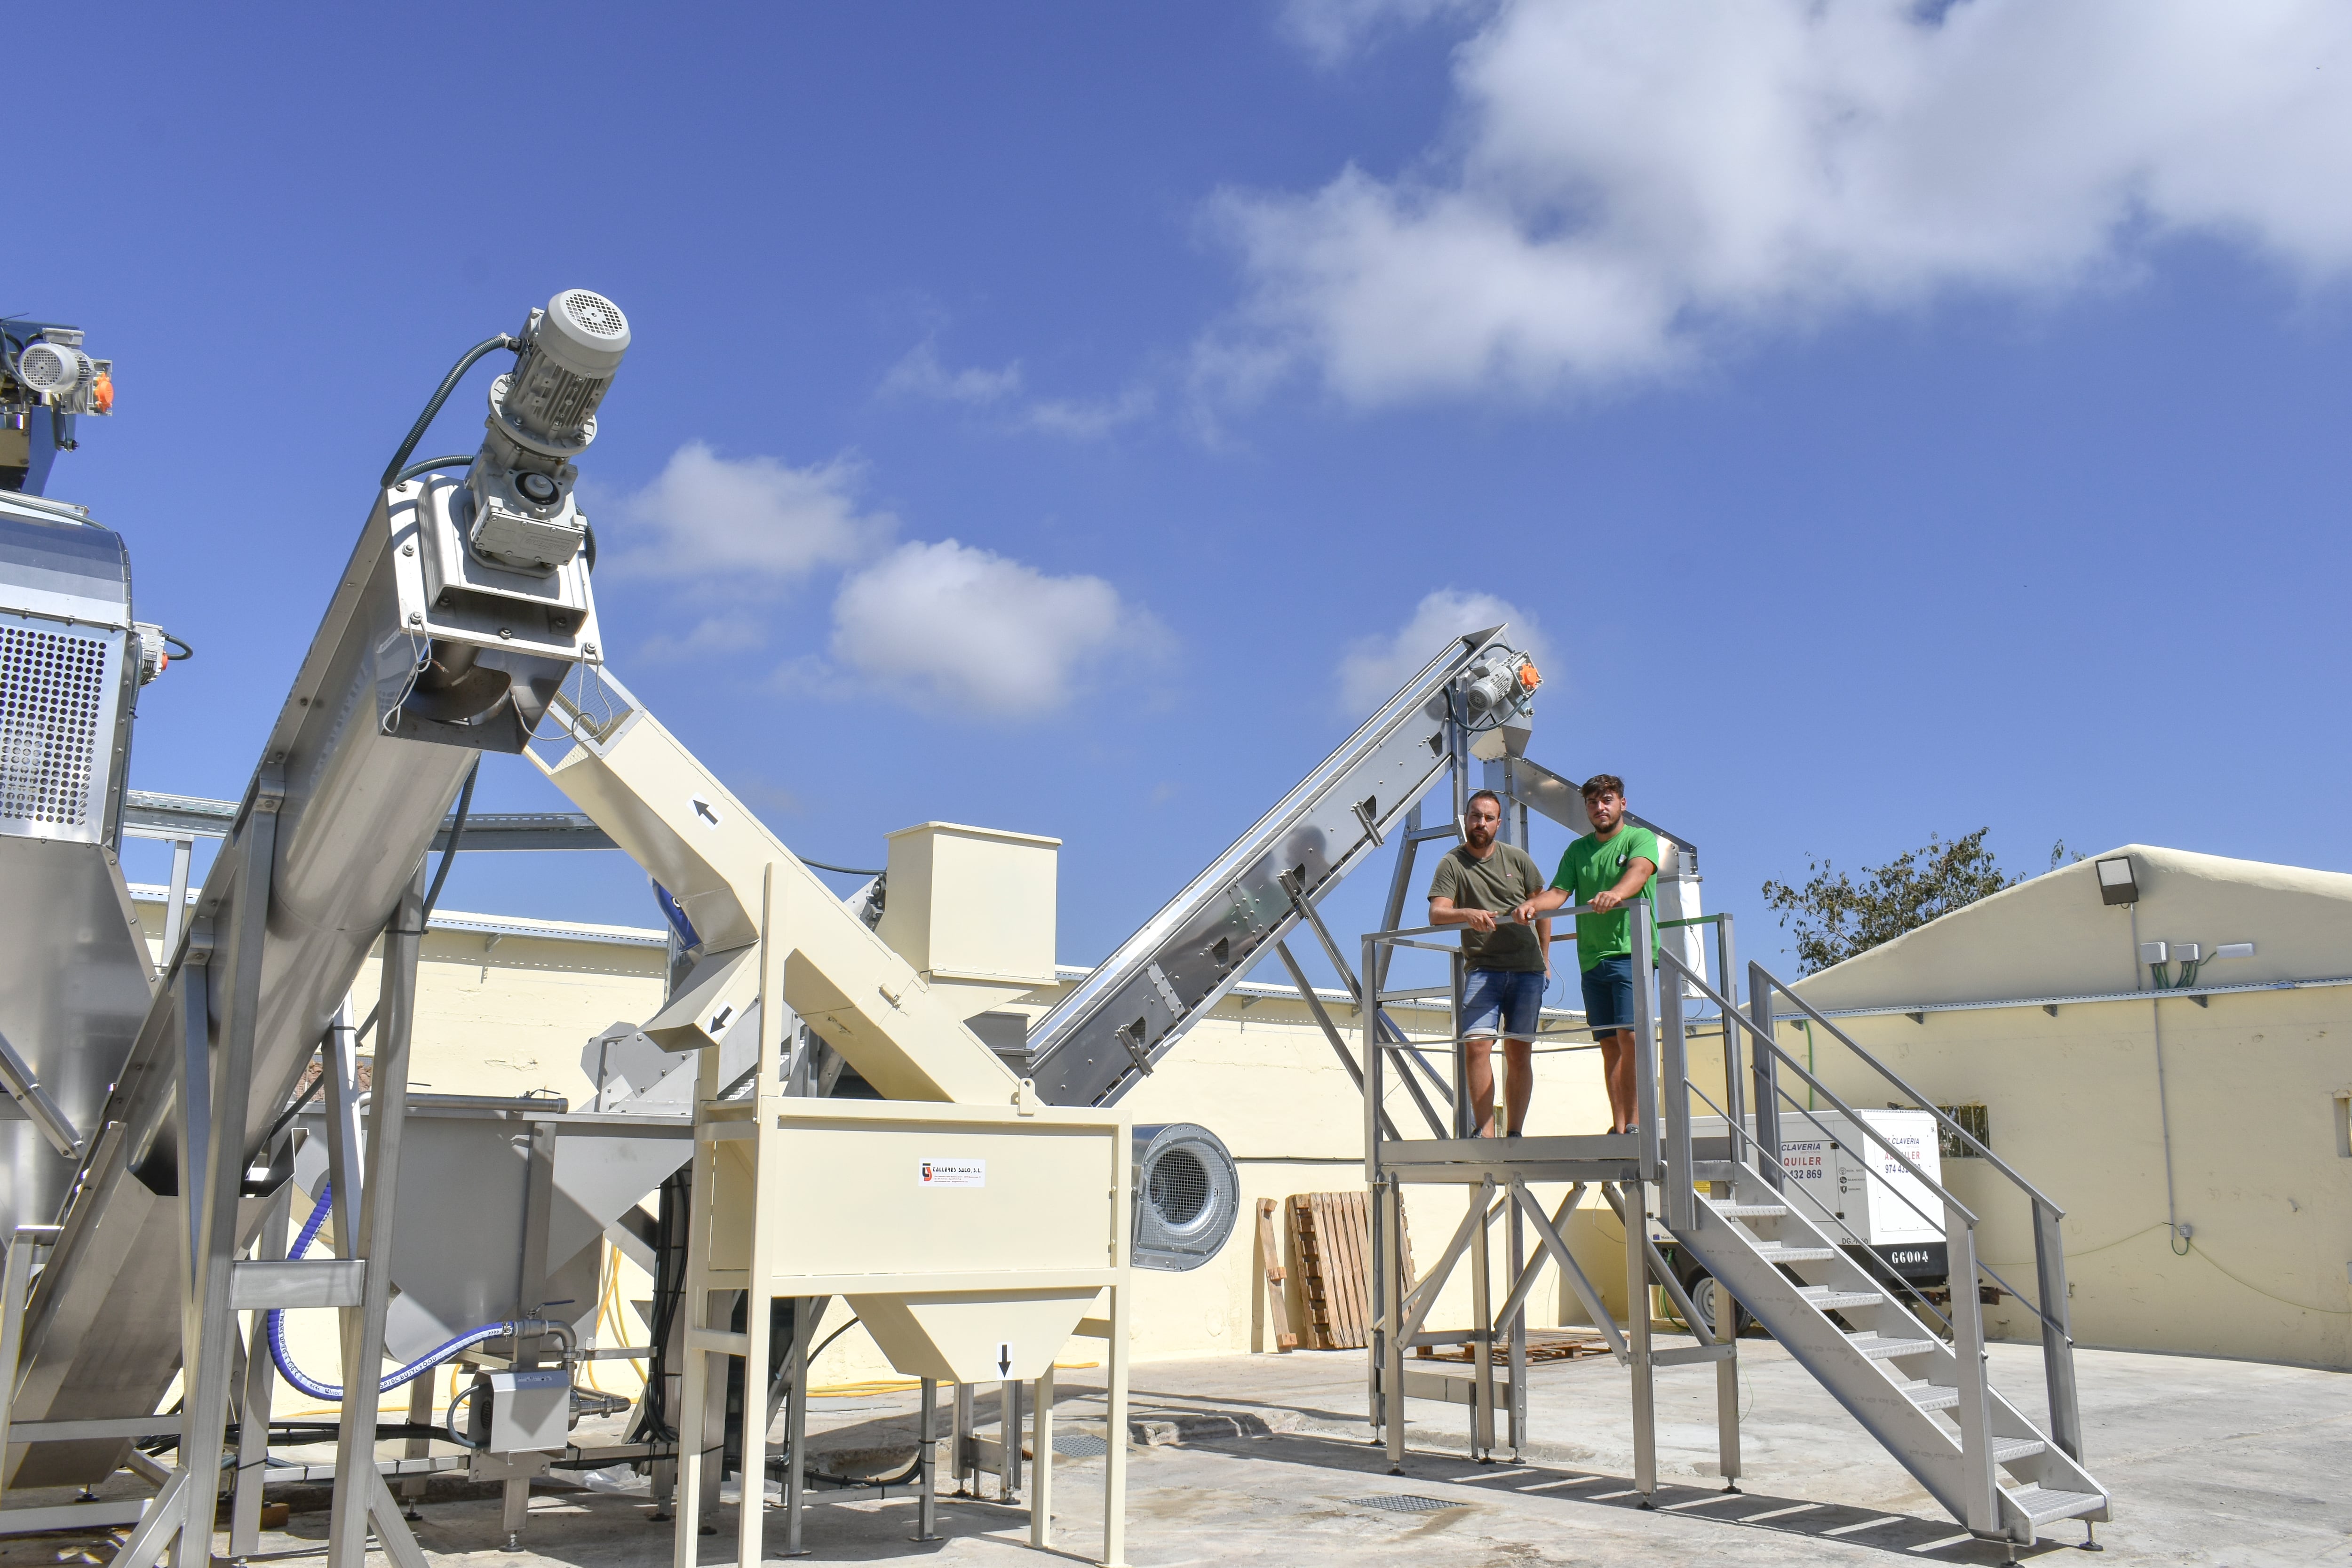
1837,916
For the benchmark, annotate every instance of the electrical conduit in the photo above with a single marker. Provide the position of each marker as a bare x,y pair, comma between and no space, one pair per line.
318,1390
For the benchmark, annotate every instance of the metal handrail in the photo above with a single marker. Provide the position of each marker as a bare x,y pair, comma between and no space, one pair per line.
1972,1219
1765,1039
2049,1302
1748,1137
1942,1120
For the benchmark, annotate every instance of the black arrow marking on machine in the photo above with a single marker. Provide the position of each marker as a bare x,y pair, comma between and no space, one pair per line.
718,1019
702,809
1004,1358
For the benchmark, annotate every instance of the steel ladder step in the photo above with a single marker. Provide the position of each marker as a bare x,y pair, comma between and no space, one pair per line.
1750,1211
1778,1252
1931,1395
2014,1448
1878,1347
2040,1505
1830,1298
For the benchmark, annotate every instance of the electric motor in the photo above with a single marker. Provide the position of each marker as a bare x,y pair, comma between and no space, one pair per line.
569,351
55,371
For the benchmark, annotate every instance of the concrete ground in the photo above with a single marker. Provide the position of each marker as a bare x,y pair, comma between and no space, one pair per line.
1265,1460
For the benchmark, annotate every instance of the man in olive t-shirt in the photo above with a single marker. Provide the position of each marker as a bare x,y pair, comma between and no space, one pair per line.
1508,963
1612,865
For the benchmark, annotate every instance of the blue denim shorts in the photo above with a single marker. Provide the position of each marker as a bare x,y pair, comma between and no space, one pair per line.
1608,993
1512,997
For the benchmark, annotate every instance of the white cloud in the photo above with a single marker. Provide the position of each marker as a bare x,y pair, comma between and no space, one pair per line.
1374,669
922,375
746,520
1631,183
1331,30
960,629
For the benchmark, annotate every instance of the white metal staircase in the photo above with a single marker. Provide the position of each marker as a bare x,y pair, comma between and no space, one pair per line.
1895,1376
1914,1377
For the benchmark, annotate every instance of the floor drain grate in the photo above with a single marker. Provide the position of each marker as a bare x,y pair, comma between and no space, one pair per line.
1403,1502
1081,1447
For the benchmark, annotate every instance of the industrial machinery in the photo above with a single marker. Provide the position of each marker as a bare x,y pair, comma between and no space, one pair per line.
989,1224
463,607
46,383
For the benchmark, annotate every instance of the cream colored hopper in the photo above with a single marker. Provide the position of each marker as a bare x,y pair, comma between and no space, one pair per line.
994,1226
664,807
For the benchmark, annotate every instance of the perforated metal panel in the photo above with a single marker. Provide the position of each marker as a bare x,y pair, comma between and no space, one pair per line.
55,687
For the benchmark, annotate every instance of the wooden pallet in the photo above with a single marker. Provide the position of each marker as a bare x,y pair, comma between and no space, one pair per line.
1542,1346
1332,1235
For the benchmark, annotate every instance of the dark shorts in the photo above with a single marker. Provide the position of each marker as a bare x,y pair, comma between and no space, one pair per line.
1502,1001
1608,993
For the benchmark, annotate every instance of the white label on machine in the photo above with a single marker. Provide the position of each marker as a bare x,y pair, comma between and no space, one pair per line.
704,812
952,1173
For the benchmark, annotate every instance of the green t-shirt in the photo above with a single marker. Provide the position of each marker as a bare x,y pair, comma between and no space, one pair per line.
1593,865
1505,878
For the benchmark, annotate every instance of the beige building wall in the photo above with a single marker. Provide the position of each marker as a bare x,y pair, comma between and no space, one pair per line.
2255,1085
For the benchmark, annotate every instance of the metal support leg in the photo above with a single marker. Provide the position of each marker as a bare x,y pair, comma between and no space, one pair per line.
176,913
693,1418
1726,1388
1115,1457
927,1494
208,1325
960,1452
420,1413
796,1432
1040,1486
1518,1339
1482,1345
1008,1426
751,1511
514,1509
1637,1340
253,1398
360,1492
1391,1342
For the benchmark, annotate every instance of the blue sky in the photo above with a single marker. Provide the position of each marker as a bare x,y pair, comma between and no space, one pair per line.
1891,424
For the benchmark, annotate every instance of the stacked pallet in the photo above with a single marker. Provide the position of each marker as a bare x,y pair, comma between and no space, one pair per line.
1331,1235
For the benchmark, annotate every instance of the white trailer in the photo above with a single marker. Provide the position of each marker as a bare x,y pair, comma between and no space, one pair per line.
1845,1181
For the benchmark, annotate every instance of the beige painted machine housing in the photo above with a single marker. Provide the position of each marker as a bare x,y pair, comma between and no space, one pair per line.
965,1280
673,818
972,904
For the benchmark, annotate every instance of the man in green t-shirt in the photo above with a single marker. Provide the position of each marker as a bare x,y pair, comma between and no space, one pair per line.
1616,862
1507,965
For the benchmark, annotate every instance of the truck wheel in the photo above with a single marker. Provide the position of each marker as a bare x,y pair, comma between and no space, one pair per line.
1702,1292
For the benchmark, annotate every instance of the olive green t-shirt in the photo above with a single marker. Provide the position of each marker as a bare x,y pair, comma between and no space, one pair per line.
1500,883
1591,867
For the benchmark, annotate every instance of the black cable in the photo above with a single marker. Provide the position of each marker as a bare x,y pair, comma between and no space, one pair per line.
427,466
184,654
449,854
845,870
440,396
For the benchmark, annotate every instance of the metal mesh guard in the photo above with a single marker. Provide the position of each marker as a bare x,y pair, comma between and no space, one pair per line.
1403,1502
1080,1446
51,687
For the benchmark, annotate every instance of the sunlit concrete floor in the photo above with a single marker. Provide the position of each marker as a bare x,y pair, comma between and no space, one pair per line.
2209,1462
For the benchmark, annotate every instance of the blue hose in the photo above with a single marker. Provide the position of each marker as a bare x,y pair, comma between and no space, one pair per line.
312,1386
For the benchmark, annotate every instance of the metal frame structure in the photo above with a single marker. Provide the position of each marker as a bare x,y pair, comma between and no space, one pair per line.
1896,1367
740,1239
